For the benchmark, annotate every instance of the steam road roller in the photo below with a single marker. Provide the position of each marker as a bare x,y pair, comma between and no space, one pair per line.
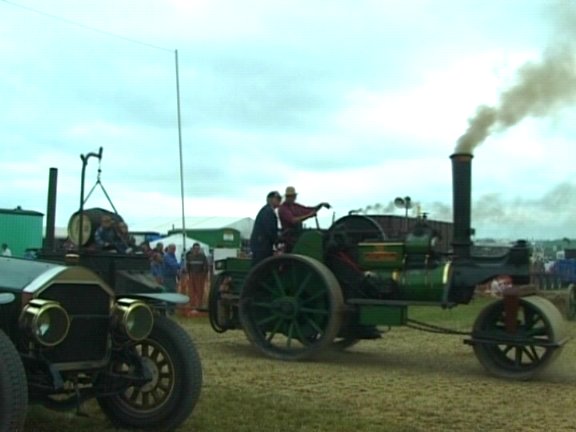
339,285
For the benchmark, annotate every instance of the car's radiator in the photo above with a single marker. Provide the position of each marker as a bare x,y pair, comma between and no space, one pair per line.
88,306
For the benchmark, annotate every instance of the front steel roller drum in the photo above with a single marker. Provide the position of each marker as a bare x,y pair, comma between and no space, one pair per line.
291,307
530,349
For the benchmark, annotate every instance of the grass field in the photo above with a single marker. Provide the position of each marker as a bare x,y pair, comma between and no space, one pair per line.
407,381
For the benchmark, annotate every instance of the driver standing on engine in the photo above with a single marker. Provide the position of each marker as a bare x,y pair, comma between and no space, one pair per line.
292,215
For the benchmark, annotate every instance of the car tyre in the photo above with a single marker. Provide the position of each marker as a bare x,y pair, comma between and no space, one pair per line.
13,388
168,399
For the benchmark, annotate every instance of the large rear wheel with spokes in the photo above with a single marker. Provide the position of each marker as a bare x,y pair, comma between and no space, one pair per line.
291,307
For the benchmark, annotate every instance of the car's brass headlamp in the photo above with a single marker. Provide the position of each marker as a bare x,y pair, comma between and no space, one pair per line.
45,321
133,318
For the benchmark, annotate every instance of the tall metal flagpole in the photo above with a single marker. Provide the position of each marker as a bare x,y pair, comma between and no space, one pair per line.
180,149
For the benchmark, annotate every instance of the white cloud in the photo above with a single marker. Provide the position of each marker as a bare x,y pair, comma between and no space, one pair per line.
354,103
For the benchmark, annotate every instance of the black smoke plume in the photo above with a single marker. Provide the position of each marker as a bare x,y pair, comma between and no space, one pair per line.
541,88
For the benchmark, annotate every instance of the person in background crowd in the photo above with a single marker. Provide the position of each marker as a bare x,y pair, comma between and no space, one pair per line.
105,235
265,230
159,248
293,214
30,254
171,270
197,268
157,267
145,249
6,250
499,285
125,243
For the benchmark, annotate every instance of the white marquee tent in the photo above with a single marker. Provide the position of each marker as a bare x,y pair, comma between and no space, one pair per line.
164,224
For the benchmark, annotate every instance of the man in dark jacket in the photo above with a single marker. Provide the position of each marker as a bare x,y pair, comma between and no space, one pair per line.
265,230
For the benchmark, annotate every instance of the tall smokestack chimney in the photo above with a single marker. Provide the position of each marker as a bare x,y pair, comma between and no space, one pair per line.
462,191
49,239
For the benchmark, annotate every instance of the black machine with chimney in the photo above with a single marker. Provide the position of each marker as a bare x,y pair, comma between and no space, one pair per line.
81,322
337,286
121,270
462,207
470,270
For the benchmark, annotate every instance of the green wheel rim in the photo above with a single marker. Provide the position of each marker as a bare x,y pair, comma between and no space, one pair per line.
291,307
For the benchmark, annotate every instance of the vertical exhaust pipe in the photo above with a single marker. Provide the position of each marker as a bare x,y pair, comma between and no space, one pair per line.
462,207
49,238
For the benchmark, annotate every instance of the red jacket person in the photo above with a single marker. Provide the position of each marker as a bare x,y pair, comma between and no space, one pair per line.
293,214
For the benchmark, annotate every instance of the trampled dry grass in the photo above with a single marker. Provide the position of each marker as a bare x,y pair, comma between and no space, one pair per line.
407,381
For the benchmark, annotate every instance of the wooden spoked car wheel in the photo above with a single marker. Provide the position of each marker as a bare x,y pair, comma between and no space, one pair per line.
523,353
175,379
291,307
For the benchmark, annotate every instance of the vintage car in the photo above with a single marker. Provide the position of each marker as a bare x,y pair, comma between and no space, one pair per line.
66,336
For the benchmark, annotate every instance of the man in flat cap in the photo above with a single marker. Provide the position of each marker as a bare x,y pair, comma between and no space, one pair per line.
293,214
265,230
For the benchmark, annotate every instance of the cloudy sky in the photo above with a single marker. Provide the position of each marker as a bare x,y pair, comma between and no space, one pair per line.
352,102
